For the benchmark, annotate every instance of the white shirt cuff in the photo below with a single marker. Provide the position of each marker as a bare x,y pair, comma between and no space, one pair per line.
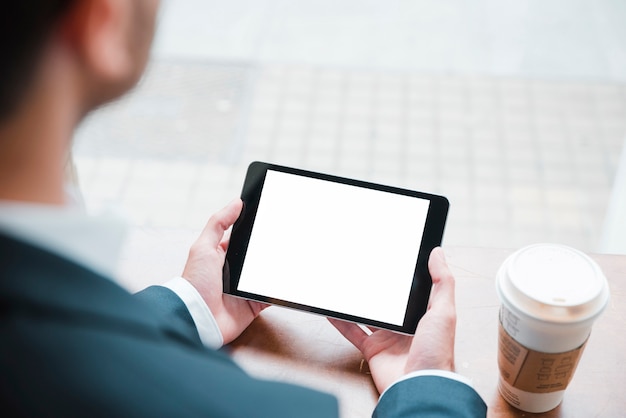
207,327
432,372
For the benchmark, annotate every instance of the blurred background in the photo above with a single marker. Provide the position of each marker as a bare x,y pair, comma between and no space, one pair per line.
514,110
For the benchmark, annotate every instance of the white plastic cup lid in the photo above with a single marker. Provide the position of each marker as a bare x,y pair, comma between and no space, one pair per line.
553,282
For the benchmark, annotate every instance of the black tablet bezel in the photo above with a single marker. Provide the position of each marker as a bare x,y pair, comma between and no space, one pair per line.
242,230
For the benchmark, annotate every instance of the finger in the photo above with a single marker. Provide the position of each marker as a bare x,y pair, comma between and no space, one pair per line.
443,281
372,330
257,307
220,222
226,240
352,332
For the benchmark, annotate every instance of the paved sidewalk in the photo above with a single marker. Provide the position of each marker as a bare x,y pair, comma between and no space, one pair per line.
521,160
556,39
515,110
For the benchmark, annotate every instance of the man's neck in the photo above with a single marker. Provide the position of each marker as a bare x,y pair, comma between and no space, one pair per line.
35,140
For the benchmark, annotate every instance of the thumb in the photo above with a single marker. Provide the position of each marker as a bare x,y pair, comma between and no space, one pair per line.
442,293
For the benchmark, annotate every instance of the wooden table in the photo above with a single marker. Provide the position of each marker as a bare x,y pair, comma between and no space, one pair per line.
302,348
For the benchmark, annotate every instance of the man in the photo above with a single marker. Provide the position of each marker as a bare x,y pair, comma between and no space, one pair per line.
72,342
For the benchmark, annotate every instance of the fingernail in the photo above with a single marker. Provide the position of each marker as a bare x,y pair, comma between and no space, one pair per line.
440,253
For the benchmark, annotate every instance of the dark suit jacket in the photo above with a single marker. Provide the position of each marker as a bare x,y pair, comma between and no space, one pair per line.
73,343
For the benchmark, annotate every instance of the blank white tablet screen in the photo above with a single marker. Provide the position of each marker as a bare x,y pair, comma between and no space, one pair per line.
334,246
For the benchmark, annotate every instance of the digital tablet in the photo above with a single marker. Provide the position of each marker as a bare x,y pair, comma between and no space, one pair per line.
334,246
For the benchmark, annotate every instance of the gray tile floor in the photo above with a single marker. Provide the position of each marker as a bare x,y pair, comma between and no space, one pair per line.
522,160
515,110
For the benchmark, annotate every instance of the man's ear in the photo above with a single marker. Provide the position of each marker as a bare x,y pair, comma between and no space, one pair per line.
97,31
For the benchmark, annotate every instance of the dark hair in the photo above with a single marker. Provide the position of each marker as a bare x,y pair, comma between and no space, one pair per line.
24,27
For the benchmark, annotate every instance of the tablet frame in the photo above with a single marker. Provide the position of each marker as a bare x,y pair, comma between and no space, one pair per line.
242,230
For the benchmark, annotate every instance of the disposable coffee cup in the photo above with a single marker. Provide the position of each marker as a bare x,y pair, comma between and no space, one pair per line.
550,297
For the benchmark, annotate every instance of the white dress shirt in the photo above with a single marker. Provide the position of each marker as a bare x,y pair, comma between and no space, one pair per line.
96,241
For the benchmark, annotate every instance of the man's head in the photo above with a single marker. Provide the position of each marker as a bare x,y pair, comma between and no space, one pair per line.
110,39
60,60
